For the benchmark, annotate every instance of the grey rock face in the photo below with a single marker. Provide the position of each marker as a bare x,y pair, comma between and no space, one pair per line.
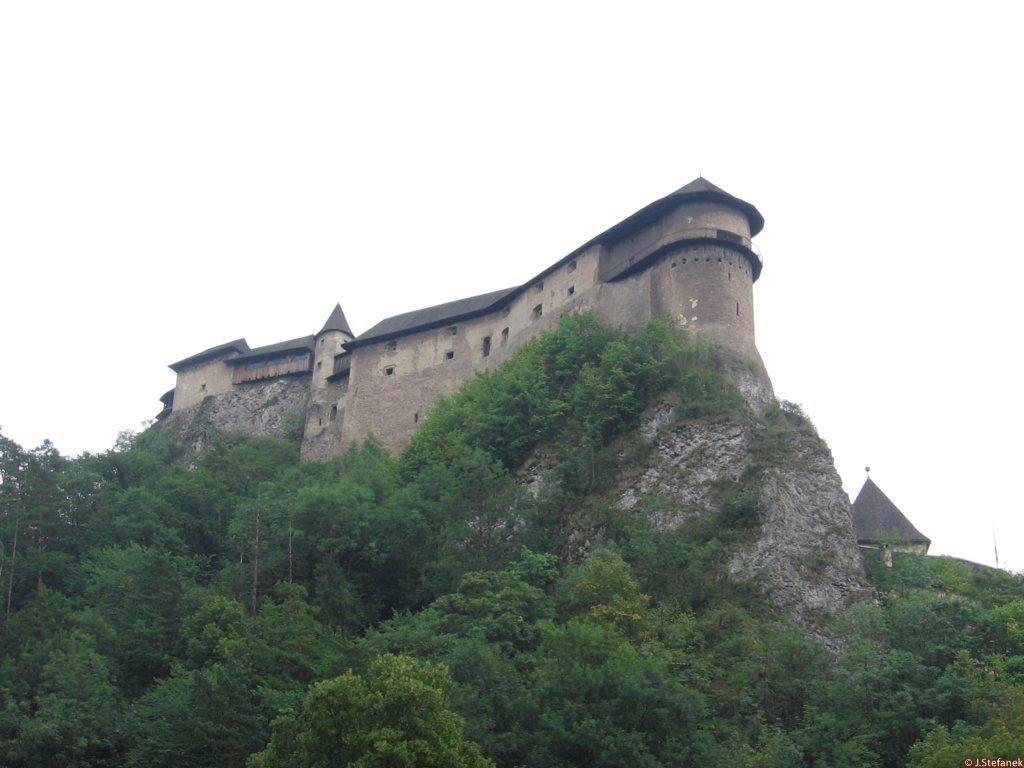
274,408
805,556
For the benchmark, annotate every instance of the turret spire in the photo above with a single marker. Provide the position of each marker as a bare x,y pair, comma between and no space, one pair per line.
337,322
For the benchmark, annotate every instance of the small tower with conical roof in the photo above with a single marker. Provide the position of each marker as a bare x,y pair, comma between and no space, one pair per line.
329,350
879,524
329,386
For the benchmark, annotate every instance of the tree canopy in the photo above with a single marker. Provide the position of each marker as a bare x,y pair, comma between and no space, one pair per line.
247,608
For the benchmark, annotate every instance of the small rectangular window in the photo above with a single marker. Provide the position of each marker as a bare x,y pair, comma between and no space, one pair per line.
319,364
572,290
389,371
487,346
538,311
504,336
449,355
334,412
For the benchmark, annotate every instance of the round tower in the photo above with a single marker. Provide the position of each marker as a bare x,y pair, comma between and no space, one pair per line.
326,409
329,348
706,265
689,257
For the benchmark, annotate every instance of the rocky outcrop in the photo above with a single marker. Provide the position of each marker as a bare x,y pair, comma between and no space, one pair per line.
803,554
273,408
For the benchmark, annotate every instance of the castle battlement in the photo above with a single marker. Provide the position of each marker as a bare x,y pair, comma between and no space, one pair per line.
687,257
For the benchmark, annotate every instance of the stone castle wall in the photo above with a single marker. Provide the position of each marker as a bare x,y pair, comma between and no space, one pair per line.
198,382
439,361
673,265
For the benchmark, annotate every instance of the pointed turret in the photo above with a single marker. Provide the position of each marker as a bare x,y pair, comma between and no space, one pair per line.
337,322
330,357
879,522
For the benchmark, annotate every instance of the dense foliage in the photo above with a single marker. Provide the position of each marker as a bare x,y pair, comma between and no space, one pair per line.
430,610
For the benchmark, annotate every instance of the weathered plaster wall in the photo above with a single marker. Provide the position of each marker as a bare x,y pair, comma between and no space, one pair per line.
391,406
708,288
687,221
325,413
203,380
327,346
325,416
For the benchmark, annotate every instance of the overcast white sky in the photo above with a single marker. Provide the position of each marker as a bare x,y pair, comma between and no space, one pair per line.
175,175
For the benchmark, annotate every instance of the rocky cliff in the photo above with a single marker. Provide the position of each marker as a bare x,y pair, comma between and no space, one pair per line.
274,408
802,554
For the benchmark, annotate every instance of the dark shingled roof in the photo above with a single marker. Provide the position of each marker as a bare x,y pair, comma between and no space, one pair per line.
877,520
167,397
430,317
238,345
337,322
702,189
443,314
303,344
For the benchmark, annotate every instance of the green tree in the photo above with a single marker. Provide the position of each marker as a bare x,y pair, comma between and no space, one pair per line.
198,719
73,715
136,597
397,717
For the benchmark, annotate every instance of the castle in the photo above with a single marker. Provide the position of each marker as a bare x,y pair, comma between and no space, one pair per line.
687,257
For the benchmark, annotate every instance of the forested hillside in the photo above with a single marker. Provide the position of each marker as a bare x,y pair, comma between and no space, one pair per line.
482,599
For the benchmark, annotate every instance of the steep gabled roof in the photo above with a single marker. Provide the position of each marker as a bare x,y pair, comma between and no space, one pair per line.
877,520
238,345
430,317
302,344
337,322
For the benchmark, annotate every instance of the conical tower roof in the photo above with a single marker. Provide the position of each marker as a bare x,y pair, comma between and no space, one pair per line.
876,520
336,322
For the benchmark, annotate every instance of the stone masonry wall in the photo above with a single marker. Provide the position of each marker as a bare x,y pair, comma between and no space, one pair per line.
391,406
201,381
